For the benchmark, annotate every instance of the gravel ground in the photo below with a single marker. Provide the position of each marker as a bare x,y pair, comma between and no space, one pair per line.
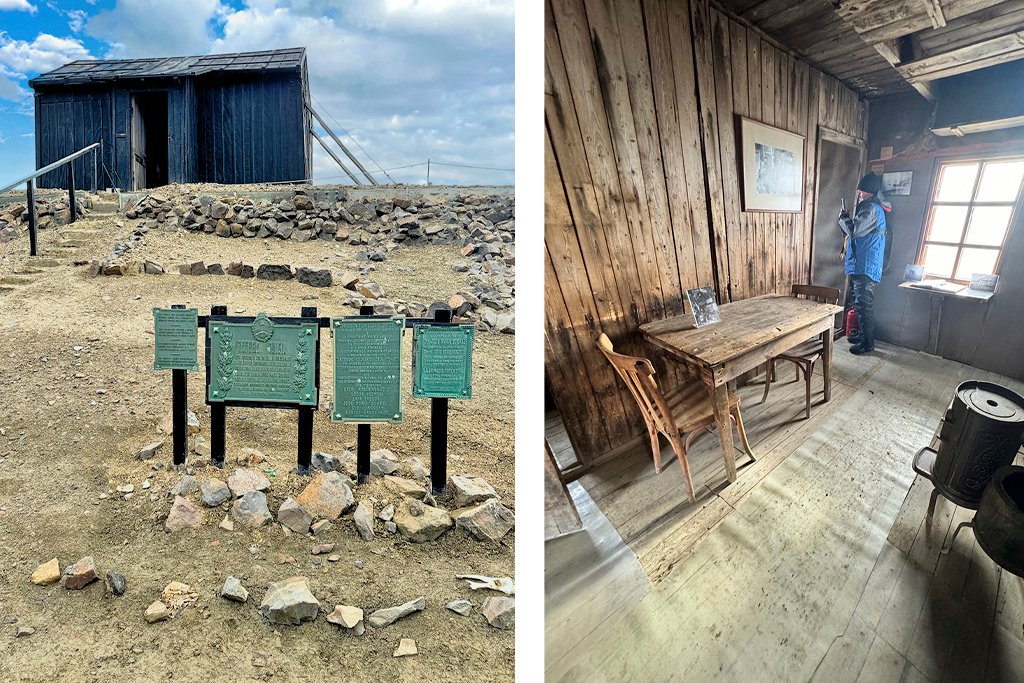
72,421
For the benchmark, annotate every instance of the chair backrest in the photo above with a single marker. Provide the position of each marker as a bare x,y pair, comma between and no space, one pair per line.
638,374
824,295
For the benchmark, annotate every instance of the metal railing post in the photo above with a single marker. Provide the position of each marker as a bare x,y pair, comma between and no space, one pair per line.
72,204
30,192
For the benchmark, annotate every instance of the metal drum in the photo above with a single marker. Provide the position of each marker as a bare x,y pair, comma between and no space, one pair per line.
999,523
980,433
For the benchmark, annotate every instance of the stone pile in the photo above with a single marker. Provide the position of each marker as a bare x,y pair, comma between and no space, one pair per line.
49,213
489,301
487,223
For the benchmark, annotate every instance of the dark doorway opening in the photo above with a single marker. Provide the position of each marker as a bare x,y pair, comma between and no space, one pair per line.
840,160
149,139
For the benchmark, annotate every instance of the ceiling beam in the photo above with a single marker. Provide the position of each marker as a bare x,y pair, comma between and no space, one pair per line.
934,10
978,56
880,20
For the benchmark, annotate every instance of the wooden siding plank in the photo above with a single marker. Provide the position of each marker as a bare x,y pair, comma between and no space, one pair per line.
685,72
669,131
628,19
754,219
743,275
618,110
721,53
700,21
581,71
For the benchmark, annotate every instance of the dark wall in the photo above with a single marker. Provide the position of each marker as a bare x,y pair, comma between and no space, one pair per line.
986,335
67,121
244,130
252,130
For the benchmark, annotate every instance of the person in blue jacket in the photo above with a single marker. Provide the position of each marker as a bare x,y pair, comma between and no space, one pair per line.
865,252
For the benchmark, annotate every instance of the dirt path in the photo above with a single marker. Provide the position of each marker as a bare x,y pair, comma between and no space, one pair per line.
73,420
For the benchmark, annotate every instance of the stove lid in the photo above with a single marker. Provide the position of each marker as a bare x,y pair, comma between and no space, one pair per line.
993,401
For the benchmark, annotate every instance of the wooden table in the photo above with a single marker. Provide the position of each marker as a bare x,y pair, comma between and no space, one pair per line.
751,332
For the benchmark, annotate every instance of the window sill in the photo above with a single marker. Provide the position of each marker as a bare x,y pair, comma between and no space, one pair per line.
965,293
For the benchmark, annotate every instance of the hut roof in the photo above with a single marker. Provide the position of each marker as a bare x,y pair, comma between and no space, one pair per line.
96,71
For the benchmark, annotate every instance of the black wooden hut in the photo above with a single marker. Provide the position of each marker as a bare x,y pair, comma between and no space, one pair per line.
233,118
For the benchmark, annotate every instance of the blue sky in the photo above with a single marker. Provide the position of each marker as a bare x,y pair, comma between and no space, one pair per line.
408,79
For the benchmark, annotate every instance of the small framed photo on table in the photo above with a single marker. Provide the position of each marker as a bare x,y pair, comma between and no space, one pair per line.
704,306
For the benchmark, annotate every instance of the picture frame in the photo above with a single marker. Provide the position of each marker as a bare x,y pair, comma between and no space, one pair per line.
772,168
703,306
897,183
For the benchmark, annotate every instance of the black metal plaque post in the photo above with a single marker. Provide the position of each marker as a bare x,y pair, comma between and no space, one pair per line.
305,453
179,411
218,415
439,428
363,434
72,204
30,191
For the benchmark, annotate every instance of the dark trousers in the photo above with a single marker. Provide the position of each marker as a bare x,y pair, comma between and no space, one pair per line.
864,304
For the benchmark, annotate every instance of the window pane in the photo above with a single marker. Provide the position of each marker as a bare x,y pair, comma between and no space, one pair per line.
976,261
938,260
1000,181
988,225
956,183
947,224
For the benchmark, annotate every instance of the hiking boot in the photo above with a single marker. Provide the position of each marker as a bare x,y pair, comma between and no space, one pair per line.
859,349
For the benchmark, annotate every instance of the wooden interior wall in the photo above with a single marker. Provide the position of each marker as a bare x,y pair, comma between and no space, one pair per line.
642,106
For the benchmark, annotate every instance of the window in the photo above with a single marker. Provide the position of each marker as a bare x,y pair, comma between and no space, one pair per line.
970,214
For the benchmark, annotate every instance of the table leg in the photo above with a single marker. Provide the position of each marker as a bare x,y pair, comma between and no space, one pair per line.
828,339
720,404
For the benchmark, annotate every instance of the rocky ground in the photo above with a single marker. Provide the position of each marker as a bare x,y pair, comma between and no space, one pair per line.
81,401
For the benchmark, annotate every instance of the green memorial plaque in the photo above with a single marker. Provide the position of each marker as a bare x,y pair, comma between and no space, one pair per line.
259,361
442,361
367,369
175,331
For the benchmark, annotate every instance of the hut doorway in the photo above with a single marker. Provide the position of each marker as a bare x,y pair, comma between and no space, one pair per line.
149,139
840,159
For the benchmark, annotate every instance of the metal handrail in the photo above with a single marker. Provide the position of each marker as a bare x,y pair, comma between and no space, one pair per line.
50,167
30,191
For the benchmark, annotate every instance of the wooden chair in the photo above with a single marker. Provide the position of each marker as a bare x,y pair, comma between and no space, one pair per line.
679,414
807,354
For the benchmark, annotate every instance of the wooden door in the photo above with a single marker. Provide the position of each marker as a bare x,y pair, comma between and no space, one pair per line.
138,146
840,160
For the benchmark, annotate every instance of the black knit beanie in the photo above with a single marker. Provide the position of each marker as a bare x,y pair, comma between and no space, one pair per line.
870,183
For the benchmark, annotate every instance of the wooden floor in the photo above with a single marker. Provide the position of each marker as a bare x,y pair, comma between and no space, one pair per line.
651,511
818,569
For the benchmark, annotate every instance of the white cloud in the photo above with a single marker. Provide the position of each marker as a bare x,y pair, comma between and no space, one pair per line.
76,17
45,53
156,28
10,89
17,6
409,80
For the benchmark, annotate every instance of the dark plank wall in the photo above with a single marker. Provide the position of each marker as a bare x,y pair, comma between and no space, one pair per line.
986,335
66,122
252,130
243,130
642,99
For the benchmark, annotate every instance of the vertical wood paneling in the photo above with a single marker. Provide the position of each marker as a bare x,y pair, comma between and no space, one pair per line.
708,115
644,183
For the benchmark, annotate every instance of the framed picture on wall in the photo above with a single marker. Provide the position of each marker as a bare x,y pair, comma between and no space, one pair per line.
897,184
773,168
